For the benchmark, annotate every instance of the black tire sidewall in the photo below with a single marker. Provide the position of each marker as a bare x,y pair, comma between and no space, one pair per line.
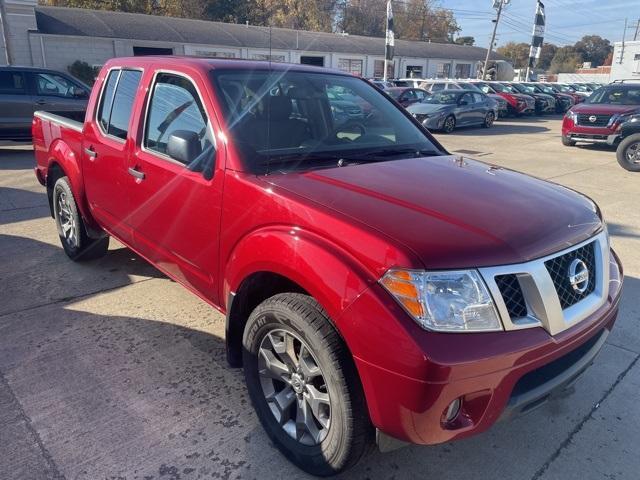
621,153
62,185
328,457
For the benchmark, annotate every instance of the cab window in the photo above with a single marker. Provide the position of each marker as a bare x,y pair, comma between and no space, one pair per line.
116,104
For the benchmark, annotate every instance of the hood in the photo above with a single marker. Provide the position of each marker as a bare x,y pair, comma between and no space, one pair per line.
603,108
452,212
427,107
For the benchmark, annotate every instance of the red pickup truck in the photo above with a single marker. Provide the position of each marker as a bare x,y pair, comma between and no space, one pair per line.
375,287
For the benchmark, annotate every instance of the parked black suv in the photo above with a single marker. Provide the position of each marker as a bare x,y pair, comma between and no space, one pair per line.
26,89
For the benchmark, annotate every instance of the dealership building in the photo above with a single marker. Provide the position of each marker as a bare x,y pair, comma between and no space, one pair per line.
55,37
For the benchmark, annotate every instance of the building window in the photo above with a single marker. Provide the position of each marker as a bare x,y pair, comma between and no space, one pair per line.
414,71
312,60
266,56
463,70
352,66
443,70
636,58
142,51
213,54
378,69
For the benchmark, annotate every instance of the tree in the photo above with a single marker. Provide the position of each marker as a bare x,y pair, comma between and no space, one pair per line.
517,53
465,41
424,20
594,49
546,55
566,60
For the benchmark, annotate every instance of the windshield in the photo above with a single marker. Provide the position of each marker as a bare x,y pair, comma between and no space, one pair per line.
546,89
530,88
502,88
301,120
442,98
565,88
520,88
483,87
580,88
616,96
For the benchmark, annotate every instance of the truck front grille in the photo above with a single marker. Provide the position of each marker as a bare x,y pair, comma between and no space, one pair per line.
600,120
512,295
553,292
558,268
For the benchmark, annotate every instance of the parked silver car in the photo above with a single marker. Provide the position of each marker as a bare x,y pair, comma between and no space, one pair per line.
25,89
447,109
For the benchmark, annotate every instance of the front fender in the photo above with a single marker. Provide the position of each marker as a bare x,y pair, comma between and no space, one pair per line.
328,273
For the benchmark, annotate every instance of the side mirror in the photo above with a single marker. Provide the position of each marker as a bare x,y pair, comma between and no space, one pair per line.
78,92
463,102
184,146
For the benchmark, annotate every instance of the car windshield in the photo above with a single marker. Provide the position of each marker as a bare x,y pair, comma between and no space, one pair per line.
565,88
546,89
483,87
520,88
616,96
281,120
502,88
442,98
580,88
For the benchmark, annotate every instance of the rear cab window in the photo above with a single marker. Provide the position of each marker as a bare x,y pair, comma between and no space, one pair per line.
116,102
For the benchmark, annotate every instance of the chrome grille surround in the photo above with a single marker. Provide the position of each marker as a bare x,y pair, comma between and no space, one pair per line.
540,294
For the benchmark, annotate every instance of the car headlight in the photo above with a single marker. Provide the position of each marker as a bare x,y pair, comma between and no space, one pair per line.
572,116
446,301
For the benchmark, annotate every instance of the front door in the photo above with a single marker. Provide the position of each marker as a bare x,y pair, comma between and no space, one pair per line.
177,200
56,93
105,153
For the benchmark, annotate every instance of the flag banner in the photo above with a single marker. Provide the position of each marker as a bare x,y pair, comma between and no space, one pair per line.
389,42
538,35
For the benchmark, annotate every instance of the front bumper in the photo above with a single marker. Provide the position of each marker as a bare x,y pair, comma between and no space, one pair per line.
411,376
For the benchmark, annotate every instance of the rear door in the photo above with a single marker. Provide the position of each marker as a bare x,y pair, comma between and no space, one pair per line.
16,106
106,150
464,113
59,94
176,202
480,107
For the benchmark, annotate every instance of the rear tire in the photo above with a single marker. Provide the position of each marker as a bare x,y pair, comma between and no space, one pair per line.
293,357
567,142
73,236
628,153
449,124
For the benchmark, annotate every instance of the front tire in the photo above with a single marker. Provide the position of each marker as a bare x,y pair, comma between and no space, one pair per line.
449,124
304,386
628,153
567,142
73,236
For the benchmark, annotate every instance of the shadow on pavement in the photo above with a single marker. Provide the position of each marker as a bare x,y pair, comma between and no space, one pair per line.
499,128
16,159
17,205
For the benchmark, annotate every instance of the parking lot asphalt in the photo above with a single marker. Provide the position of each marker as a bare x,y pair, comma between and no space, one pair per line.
108,369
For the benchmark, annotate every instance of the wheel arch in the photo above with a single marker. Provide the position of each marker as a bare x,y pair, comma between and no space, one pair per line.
300,263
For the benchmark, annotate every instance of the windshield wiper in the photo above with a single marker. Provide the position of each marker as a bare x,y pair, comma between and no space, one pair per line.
396,152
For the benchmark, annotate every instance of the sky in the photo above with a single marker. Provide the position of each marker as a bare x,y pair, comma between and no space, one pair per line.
567,20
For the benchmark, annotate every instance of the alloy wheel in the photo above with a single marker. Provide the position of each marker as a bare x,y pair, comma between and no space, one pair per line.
294,387
66,219
449,124
633,153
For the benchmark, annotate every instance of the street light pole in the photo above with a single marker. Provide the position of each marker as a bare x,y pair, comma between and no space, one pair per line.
500,4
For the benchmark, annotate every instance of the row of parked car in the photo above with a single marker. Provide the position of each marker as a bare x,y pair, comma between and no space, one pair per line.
594,113
446,104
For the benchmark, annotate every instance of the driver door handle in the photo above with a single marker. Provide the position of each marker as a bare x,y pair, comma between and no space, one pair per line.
139,175
90,153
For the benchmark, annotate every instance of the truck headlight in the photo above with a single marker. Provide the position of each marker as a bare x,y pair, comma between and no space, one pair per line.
446,301
572,116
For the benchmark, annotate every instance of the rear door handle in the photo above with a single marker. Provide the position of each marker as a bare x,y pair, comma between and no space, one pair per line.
90,153
40,102
136,173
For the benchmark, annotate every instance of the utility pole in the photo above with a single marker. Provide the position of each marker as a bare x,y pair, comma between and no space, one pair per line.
635,35
5,33
499,4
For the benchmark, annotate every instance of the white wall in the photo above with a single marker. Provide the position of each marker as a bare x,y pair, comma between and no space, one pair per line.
20,19
583,77
626,61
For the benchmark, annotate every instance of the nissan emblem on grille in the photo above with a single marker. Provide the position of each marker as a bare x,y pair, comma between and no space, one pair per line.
579,275
593,118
